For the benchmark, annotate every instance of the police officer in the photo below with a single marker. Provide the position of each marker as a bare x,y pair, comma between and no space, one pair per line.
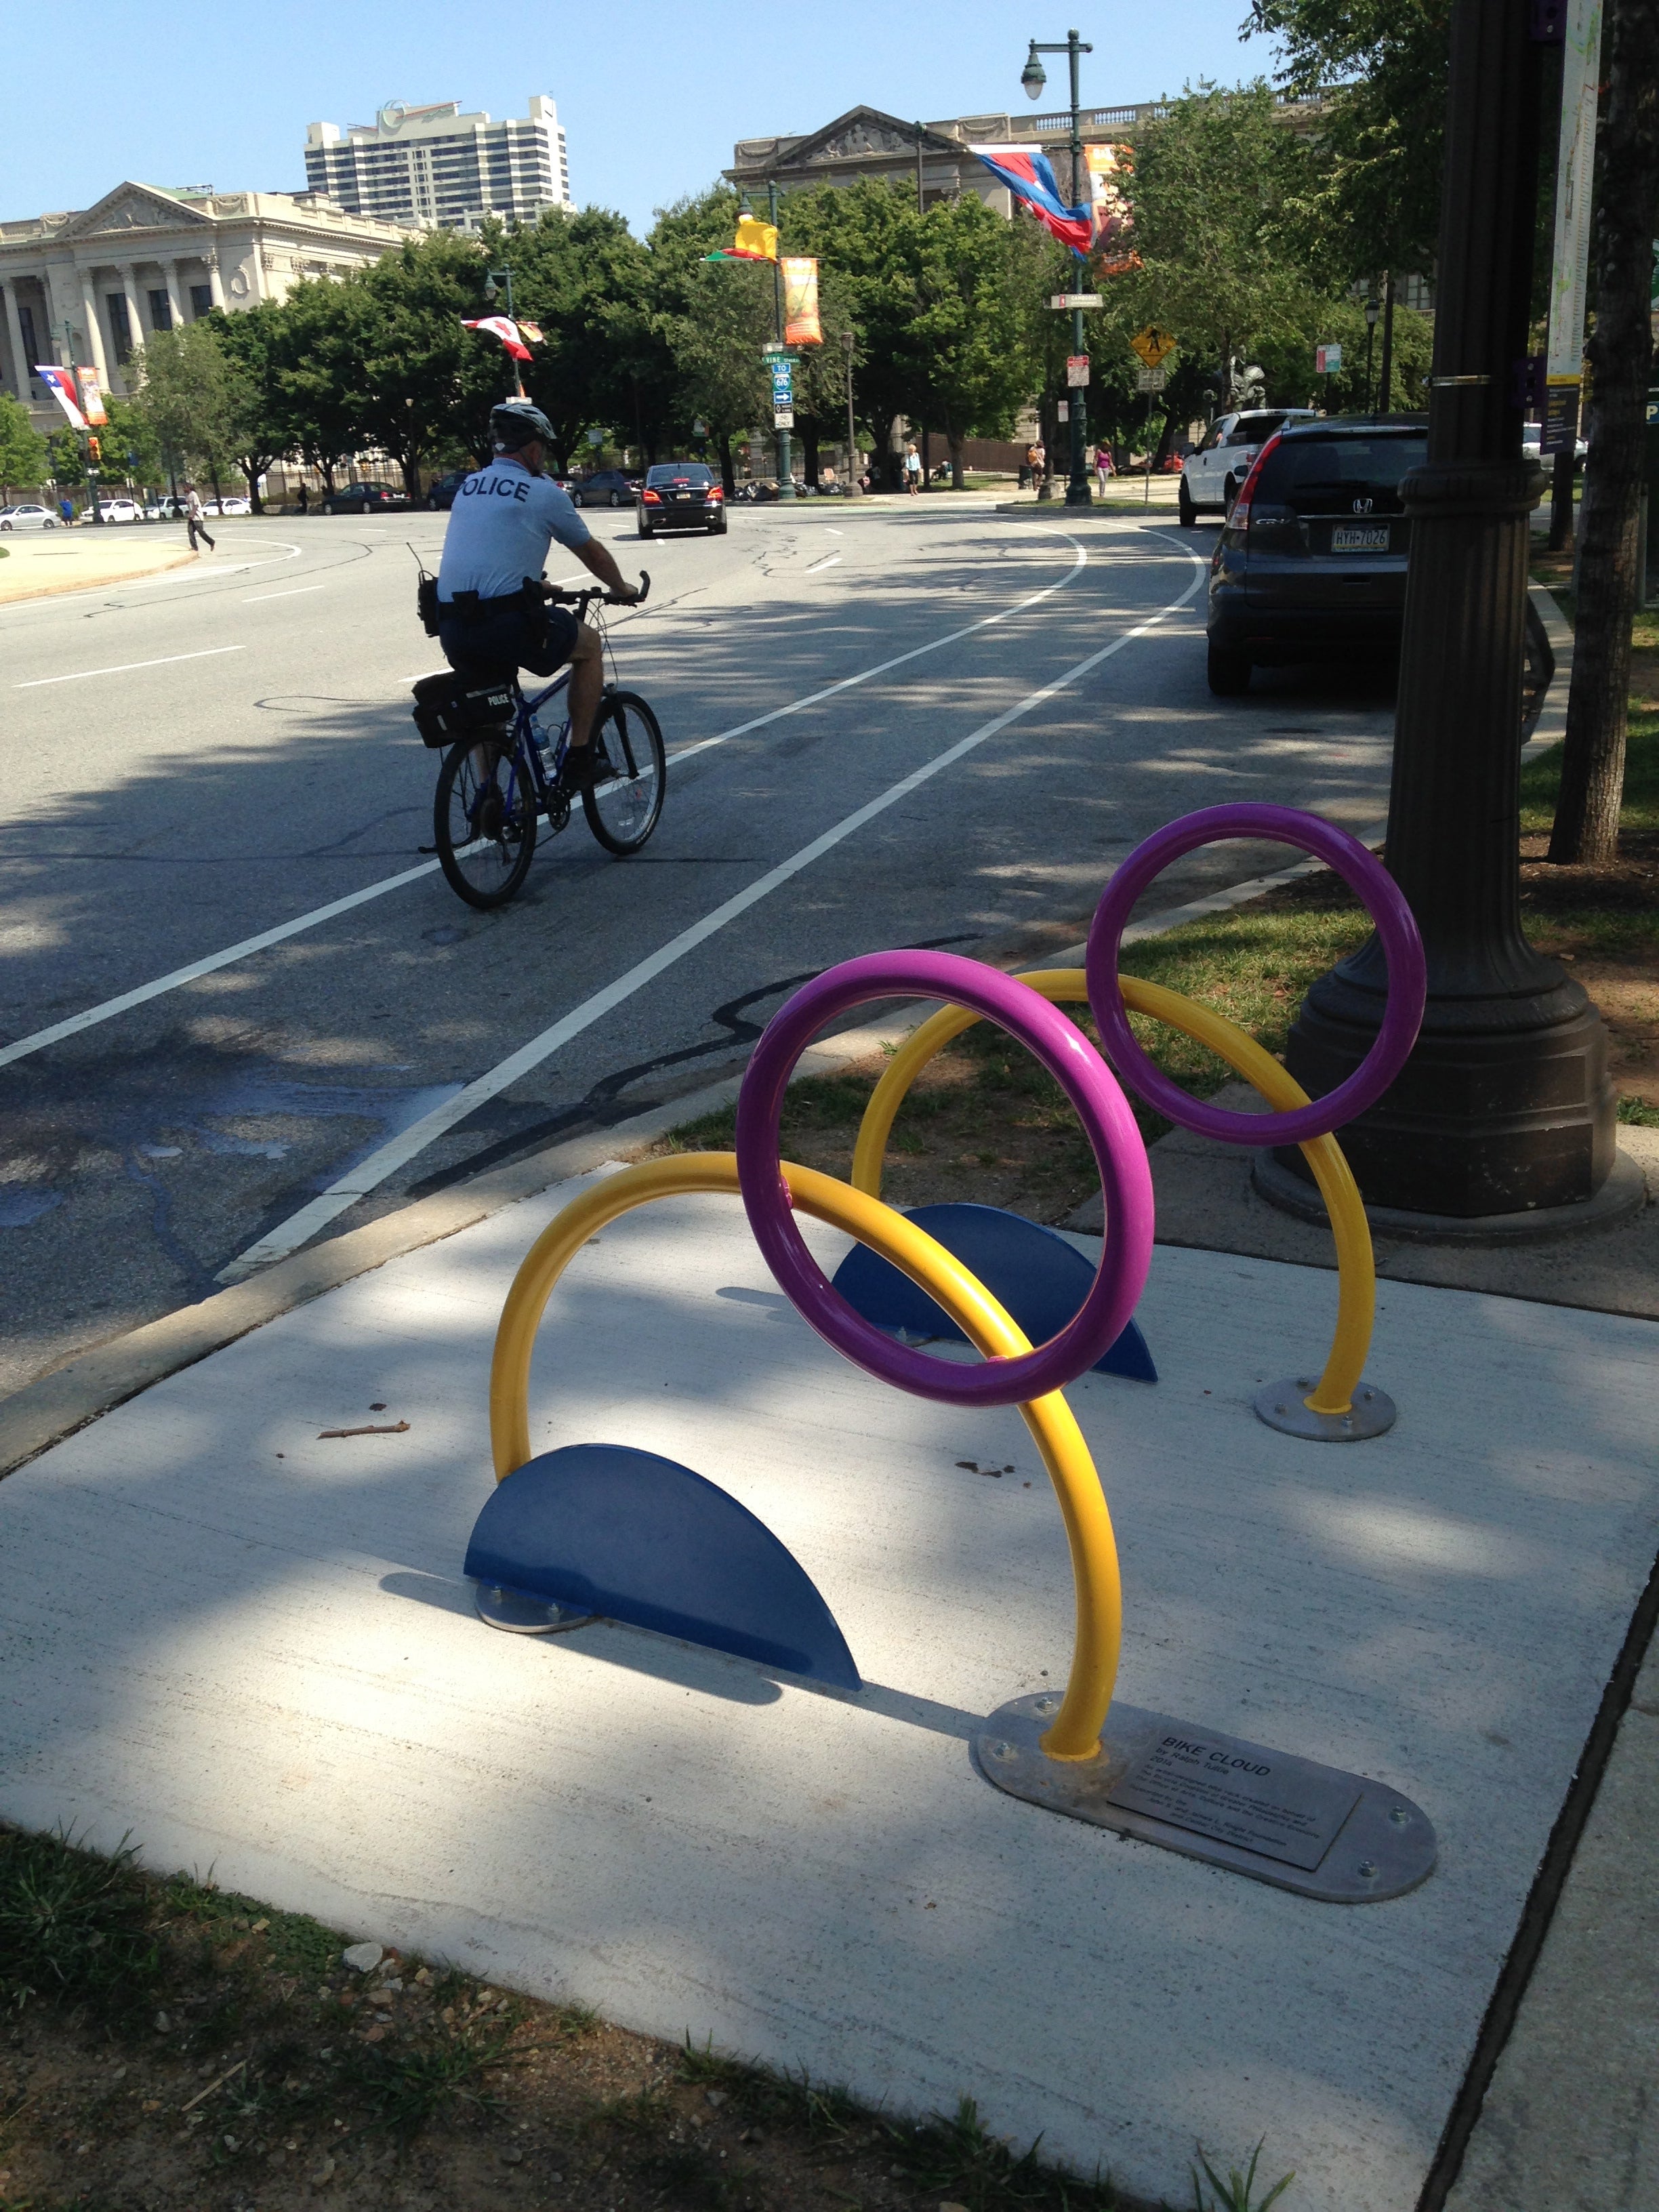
492,608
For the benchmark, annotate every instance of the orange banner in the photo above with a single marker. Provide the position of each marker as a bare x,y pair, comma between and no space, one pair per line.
800,301
91,397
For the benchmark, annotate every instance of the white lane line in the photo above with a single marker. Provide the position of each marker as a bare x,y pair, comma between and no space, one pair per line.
829,561
124,667
300,1228
1079,561
110,1007
205,966
294,592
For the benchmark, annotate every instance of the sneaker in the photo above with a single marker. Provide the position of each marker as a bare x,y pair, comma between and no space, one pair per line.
584,766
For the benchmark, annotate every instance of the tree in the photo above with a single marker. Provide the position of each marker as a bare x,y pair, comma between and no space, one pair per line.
970,355
24,459
262,427
317,376
186,397
419,380
1621,351
584,279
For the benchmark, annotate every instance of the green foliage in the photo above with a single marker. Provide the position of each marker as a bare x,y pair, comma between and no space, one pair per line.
190,398
1540,781
73,1925
24,460
1237,2192
419,378
584,279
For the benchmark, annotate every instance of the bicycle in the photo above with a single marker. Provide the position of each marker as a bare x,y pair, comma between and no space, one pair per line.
501,773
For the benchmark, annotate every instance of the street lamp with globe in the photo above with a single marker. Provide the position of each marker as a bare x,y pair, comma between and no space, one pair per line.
1034,78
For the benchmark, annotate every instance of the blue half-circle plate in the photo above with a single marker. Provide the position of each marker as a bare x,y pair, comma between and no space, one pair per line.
607,1529
1031,1271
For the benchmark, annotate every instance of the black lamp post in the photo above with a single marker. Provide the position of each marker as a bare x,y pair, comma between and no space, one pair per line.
490,287
1033,77
1372,313
853,488
1505,1106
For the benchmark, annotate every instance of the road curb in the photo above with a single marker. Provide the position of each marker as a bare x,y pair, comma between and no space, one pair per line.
111,582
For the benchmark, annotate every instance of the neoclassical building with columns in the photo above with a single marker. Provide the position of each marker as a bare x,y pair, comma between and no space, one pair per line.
92,287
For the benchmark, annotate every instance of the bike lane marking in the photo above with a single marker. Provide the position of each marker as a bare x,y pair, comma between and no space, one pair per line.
107,1009
369,1174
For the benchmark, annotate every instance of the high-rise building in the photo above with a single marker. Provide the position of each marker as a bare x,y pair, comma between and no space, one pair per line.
435,166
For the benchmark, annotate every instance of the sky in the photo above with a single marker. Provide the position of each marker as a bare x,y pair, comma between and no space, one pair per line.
652,99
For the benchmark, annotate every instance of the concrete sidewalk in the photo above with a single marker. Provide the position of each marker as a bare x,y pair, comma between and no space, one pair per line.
253,1647
41,561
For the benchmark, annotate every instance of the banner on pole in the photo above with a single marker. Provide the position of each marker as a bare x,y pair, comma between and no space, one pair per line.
800,301
92,397
1109,169
61,383
1328,359
1574,173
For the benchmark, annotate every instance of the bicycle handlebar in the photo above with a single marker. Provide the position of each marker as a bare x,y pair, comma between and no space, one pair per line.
584,599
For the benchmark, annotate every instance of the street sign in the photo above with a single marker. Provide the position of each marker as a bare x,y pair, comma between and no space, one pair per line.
1075,299
1151,379
1076,369
783,418
774,345
1152,345
1328,359
1063,411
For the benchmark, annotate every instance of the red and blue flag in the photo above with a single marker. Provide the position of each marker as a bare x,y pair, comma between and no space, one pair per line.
1026,173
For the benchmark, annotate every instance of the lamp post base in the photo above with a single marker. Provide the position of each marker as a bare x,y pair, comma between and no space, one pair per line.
1079,496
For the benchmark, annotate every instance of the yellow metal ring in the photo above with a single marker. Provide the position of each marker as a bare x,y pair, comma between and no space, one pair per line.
1356,1297
1076,1732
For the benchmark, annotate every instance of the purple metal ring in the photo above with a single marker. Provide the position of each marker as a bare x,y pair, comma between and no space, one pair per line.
1364,876
1062,1048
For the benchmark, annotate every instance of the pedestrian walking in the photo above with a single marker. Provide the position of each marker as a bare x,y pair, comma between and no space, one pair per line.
1103,464
912,471
304,499
66,508
194,524
1036,460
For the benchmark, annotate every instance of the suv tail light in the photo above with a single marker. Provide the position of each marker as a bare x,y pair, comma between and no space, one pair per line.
652,498
1240,517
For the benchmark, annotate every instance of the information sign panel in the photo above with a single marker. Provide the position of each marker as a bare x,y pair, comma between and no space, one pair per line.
1076,369
1151,379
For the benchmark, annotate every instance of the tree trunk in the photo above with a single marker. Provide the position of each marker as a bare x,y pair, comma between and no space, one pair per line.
809,448
252,470
728,474
954,440
1620,359
1164,437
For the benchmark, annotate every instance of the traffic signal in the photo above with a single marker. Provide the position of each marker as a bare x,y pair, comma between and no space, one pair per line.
94,452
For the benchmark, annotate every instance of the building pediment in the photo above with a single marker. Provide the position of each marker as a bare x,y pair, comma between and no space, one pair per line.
862,132
130,209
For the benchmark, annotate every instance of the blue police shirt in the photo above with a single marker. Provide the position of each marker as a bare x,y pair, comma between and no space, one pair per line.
500,528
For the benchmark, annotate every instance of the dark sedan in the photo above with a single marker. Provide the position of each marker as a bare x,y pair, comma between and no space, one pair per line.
365,499
680,495
441,494
606,487
1311,565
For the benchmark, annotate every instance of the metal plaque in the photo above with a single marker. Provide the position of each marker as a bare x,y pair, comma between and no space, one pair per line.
1077,299
1292,1822
783,418
1284,1406
1151,379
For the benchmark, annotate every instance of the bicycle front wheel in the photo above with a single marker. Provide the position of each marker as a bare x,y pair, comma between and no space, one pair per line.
623,807
484,821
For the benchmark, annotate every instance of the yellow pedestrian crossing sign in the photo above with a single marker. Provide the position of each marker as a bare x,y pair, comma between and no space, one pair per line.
1153,343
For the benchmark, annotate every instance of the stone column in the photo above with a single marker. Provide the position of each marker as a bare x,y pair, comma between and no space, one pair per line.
216,288
129,372
95,328
175,298
20,367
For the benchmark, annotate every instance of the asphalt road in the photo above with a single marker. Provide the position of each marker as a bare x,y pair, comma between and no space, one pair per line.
224,750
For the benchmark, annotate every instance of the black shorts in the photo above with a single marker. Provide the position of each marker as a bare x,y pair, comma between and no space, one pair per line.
513,637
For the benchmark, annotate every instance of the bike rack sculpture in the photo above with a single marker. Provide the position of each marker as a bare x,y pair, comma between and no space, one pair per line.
605,1529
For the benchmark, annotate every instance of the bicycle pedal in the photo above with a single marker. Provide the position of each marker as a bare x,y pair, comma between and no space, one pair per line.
426,848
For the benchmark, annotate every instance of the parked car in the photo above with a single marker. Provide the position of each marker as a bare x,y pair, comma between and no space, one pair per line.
1210,478
606,487
1311,565
364,499
232,503
164,509
680,495
440,496
28,514
120,510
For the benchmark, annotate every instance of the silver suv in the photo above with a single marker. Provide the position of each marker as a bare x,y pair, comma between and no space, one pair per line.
1210,478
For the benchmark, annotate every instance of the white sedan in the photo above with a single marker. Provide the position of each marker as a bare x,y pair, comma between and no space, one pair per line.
28,516
119,510
1532,440
229,505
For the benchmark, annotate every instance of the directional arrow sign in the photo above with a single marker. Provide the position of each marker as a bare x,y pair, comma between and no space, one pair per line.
1153,344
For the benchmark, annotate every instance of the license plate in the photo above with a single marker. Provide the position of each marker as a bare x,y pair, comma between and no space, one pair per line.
1360,537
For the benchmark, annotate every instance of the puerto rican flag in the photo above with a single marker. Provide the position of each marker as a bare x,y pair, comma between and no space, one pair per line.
1026,173
60,382
504,328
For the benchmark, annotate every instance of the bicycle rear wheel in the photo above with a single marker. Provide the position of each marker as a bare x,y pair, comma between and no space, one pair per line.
483,820
623,808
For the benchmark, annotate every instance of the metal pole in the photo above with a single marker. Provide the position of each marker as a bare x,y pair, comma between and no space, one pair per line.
1077,491
1385,374
786,463
854,489
1505,1106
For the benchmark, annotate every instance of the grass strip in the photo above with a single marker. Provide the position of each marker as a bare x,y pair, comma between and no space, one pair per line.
167,2042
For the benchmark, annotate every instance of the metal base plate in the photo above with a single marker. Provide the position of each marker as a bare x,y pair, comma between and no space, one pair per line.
1281,1406
522,1614
1300,1825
